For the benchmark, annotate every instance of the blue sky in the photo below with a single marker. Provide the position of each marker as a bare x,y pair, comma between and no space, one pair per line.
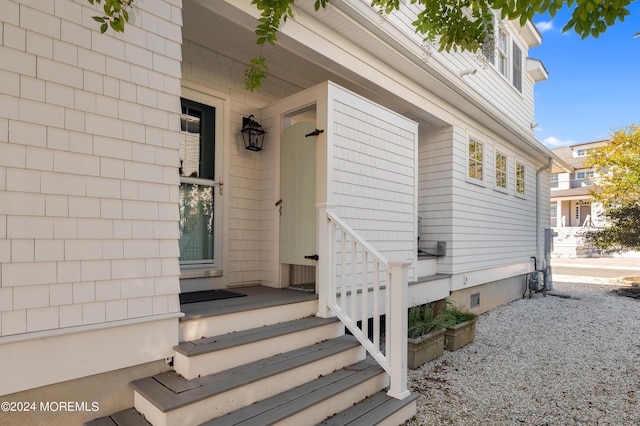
594,84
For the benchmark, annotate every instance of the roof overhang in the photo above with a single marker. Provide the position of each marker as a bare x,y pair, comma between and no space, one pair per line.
536,70
350,46
529,33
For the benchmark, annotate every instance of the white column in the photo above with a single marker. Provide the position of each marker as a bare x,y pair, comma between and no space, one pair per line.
559,214
397,310
324,266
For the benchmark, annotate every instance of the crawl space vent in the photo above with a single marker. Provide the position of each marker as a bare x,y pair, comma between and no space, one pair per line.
475,300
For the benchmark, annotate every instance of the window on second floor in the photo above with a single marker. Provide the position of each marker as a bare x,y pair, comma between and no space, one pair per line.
582,178
516,76
554,180
583,152
489,48
502,52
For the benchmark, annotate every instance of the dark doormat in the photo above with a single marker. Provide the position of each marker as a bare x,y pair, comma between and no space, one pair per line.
207,295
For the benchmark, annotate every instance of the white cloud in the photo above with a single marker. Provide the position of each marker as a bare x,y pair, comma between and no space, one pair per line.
543,26
553,142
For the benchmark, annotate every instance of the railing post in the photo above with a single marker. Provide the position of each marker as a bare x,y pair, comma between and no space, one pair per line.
324,265
398,306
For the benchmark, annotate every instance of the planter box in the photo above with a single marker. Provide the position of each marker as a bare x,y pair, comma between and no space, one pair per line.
425,348
460,335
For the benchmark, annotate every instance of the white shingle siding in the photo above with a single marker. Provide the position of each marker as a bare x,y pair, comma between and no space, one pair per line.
374,174
87,201
41,319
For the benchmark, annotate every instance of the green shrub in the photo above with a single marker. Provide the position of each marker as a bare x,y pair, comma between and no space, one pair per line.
454,315
422,321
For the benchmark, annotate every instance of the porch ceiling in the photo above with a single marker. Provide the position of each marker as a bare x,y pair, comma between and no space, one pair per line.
229,29
359,54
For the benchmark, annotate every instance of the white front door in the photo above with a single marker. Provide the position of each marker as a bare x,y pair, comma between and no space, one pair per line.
298,194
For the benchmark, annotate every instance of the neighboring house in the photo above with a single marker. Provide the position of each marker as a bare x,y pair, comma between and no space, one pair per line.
124,181
572,206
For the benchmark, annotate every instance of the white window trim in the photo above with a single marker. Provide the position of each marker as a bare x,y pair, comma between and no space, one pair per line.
495,171
515,179
522,65
506,52
474,138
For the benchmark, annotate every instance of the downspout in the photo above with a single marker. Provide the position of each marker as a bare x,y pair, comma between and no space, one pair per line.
539,247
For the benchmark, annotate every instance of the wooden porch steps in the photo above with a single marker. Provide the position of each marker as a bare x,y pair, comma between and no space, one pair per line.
213,354
128,417
378,409
311,402
261,306
290,368
169,399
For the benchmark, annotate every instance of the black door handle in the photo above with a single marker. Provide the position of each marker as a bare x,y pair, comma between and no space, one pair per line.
312,257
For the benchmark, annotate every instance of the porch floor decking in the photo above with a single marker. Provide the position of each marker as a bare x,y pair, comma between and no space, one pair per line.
257,297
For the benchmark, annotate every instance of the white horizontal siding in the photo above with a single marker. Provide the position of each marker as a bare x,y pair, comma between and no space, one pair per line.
488,82
483,227
492,228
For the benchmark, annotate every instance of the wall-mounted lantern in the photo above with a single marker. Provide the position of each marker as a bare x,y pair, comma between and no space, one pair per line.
252,134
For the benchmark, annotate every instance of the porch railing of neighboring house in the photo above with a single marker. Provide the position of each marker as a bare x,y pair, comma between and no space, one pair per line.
357,283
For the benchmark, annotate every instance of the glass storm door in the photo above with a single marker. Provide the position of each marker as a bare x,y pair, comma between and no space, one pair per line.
197,184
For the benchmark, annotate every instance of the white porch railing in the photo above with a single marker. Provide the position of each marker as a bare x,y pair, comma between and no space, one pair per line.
357,283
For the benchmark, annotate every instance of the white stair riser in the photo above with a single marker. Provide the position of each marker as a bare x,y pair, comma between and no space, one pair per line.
426,267
337,403
222,324
400,416
213,362
218,405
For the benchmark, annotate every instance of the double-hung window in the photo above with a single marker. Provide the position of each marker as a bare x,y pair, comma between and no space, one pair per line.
503,59
501,171
476,160
516,75
520,178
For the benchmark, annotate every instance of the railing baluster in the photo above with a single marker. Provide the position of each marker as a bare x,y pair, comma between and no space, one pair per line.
376,306
354,284
333,288
364,317
343,269
378,272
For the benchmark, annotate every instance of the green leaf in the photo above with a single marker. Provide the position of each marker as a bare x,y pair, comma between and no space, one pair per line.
103,28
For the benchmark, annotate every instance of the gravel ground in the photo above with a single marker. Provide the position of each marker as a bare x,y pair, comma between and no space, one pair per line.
541,361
